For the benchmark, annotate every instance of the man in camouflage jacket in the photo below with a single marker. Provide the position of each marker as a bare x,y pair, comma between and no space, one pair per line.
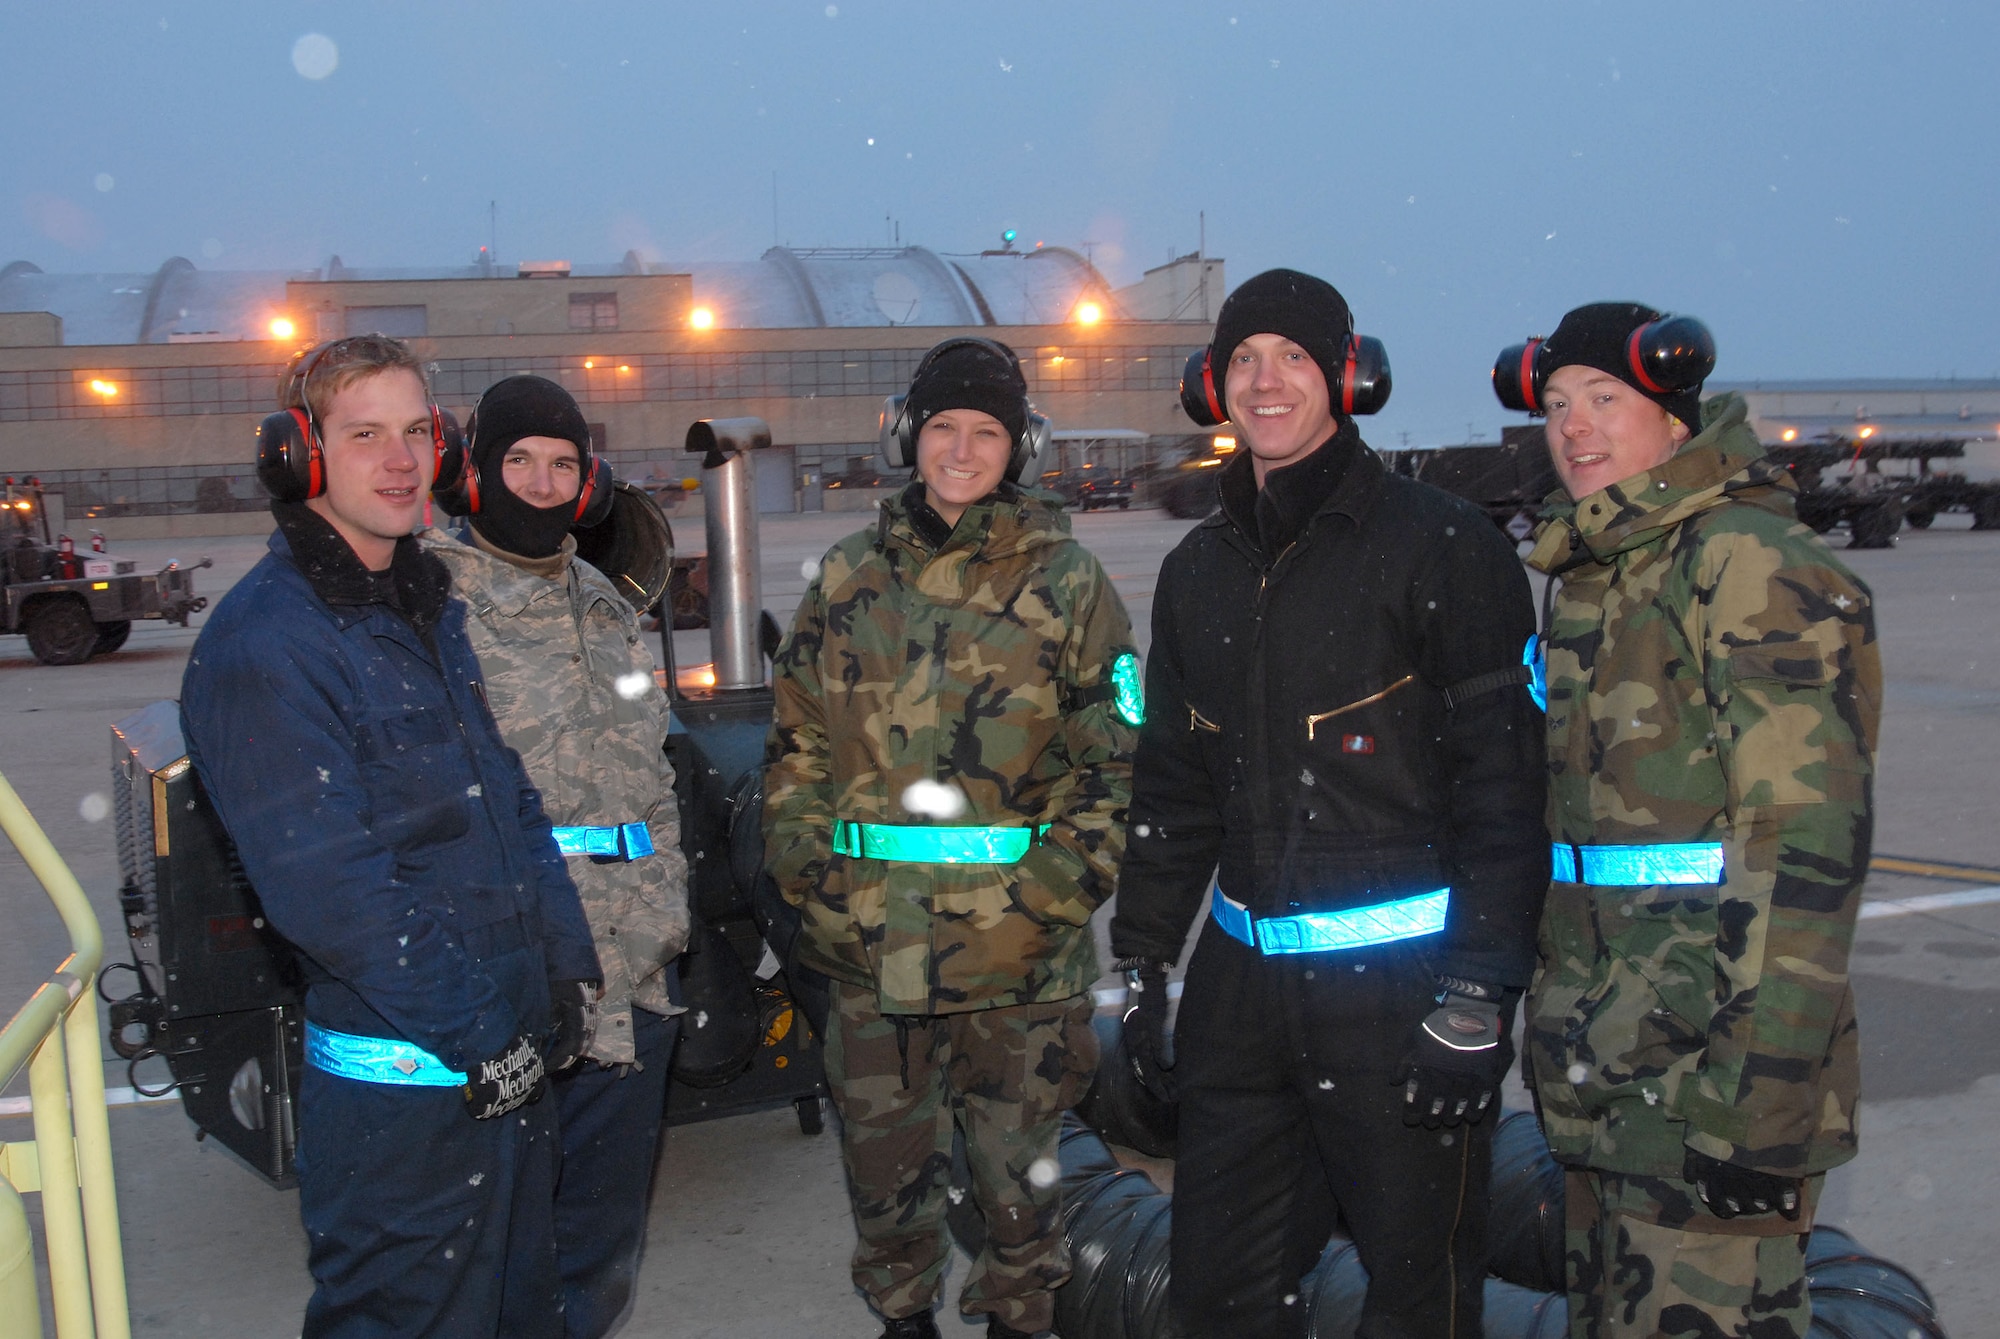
571,684
955,669
1713,692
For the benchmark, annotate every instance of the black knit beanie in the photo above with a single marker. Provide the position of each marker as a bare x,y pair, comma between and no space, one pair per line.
1597,336
1307,311
520,407
970,376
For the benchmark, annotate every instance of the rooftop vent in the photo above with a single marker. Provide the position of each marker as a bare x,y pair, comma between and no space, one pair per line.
543,269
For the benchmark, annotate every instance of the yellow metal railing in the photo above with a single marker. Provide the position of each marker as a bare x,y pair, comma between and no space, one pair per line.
69,1159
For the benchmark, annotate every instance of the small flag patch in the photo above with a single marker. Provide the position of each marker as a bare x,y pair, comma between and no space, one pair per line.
1357,743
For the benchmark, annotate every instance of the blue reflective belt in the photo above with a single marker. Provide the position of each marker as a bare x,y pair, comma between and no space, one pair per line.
627,841
925,844
1637,866
1324,931
377,1060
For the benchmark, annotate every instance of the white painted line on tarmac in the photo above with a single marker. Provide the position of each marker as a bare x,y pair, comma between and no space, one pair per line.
113,1097
1906,906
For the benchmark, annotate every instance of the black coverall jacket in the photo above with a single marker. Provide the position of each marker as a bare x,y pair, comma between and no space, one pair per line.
1316,721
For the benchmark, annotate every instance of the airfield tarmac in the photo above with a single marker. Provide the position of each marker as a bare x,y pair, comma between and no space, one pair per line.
749,1232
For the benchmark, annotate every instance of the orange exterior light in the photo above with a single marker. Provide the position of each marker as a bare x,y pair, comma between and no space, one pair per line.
1866,433
107,389
1088,313
1224,445
1789,435
589,363
282,328
624,367
702,318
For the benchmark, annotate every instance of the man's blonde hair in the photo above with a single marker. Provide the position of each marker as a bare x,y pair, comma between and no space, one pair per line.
314,377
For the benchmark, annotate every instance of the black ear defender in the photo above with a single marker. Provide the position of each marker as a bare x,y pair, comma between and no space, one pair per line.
1517,380
291,457
1361,386
898,436
288,456
290,460
1674,353
1670,355
599,491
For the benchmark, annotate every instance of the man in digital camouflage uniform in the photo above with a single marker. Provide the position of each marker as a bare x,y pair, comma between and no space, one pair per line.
1713,691
950,764
571,684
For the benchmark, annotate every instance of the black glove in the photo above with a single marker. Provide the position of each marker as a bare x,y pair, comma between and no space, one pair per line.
1457,1057
1145,1030
1729,1190
511,1079
576,1022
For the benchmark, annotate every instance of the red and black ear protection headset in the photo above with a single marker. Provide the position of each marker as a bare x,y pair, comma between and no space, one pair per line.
899,435
1674,353
456,488
291,460
1361,386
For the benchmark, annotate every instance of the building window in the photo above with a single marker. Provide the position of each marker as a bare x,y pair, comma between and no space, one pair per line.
593,311
401,322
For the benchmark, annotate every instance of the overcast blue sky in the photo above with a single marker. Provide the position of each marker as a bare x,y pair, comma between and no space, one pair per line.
1819,181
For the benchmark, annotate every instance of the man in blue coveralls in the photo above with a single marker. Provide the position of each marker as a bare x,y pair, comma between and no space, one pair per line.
334,710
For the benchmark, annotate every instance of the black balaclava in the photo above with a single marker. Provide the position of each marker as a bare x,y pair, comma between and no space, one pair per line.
1595,336
1307,311
970,376
520,407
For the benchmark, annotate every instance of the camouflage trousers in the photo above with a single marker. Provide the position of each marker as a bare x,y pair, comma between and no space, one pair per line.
1004,1077
1645,1258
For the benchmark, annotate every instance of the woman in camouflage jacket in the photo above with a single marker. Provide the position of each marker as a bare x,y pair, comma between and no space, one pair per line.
949,770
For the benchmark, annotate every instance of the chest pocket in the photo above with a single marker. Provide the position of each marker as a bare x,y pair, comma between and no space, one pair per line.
421,786
1781,711
1326,727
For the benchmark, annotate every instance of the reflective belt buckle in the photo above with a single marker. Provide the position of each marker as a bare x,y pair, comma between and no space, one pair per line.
635,841
627,841
377,1060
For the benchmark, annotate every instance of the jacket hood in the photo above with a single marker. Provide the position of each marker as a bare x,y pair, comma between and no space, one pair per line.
1009,523
1724,462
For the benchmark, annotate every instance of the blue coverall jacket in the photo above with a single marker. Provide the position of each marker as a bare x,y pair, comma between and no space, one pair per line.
388,830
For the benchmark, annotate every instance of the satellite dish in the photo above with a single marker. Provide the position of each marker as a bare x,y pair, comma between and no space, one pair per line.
898,296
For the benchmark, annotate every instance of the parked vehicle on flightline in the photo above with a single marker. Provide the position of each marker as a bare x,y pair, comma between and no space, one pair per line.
1842,481
1088,488
74,605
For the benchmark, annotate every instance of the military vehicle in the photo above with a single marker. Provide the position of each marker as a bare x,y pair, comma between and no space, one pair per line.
73,605
1873,487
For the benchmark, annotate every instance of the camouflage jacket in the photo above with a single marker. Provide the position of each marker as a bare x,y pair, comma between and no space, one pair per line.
1712,677
572,686
984,666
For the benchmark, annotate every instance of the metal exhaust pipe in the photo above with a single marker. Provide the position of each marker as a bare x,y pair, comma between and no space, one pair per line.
735,594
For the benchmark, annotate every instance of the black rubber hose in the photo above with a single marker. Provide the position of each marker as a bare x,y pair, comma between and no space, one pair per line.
1118,1223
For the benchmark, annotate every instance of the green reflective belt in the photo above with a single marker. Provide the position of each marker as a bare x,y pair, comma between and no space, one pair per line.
933,845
